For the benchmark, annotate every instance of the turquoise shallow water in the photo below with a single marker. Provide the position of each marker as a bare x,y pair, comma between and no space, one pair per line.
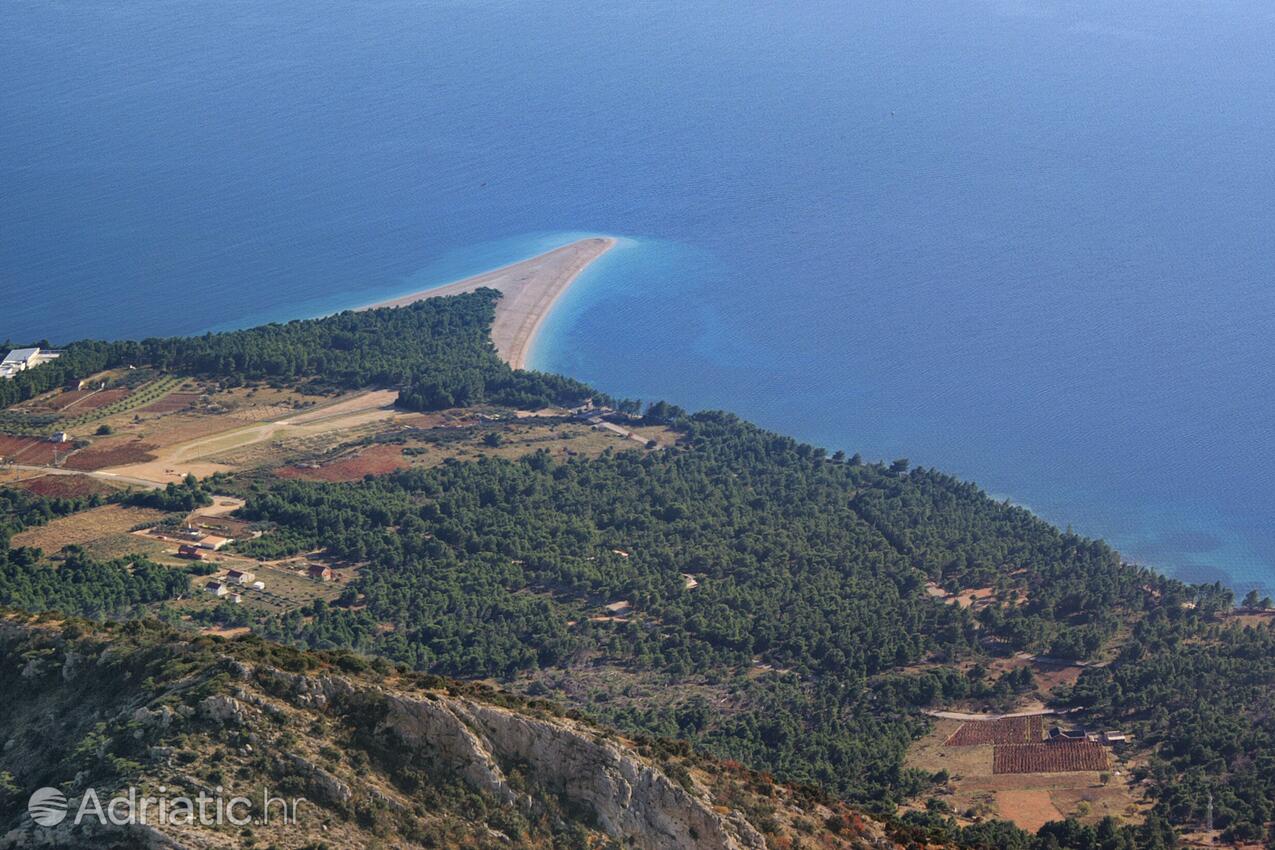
1026,241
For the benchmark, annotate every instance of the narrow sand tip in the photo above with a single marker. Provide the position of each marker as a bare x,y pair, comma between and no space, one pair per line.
530,289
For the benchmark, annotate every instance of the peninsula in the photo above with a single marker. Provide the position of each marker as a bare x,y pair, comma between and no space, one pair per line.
529,290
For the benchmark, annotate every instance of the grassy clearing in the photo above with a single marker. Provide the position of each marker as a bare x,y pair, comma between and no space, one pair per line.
86,527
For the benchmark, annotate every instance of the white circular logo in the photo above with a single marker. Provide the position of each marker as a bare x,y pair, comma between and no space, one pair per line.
47,807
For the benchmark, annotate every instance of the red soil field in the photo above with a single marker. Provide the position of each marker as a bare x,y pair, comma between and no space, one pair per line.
98,400
1006,730
171,403
116,454
377,460
75,402
61,400
1054,757
64,486
32,451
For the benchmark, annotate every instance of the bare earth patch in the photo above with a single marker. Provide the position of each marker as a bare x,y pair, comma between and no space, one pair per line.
1030,809
31,451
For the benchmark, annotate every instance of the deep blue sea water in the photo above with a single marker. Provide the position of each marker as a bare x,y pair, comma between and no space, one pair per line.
1026,241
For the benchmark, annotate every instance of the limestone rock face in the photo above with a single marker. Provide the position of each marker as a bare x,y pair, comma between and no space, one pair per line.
632,799
222,709
328,788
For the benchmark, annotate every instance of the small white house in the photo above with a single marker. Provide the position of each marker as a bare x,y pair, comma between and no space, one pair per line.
258,585
217,588
240,577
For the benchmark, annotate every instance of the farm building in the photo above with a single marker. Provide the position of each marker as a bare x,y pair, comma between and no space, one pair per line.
192,552
21,359
258,585
217,588
213,541
319,572
59,437
239,577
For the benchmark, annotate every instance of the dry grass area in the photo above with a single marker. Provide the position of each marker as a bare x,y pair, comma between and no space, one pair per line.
1050,675
123,545
1257,619
287,588
374,460
524,436
1095,802
85,527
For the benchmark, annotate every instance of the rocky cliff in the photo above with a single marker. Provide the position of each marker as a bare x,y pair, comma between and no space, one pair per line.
378,758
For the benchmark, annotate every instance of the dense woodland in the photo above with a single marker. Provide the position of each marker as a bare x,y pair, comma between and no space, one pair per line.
437,351
810,623
811,565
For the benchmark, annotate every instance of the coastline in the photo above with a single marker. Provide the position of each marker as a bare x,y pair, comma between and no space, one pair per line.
530,289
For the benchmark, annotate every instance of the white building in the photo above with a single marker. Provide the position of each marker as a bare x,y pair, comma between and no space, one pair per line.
21,359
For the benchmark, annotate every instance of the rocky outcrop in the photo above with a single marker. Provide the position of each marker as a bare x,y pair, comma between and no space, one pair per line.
631,798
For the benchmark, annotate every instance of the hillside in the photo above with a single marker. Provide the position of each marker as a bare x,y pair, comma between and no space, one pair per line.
381,758
665,574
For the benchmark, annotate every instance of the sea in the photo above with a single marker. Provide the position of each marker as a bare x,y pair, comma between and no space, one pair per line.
1029,242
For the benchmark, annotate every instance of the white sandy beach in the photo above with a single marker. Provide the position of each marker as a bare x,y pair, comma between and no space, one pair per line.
530,289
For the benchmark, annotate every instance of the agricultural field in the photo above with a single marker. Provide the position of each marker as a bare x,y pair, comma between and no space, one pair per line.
29,451
976,790
85,527
110,451
156,428
1049,757
61,486
1004,730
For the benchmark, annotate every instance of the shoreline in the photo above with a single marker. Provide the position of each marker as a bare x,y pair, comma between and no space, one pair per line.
530,288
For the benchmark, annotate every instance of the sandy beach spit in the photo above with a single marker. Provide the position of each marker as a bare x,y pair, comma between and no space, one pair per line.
530,289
